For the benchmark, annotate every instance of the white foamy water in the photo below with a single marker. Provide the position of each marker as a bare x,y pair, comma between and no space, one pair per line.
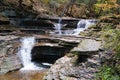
27,44
83,25
58,26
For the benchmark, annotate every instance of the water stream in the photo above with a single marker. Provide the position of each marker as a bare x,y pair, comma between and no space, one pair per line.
58,26
25,53
81,26
26,75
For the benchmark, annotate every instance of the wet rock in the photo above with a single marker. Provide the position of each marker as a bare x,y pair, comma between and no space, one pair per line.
4,20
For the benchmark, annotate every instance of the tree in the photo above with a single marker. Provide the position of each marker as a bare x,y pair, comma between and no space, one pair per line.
106,6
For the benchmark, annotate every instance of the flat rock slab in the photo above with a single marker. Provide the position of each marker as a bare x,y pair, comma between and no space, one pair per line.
8,37
68,39
87,46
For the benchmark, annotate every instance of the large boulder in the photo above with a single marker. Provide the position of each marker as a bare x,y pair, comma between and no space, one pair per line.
65,68
81,64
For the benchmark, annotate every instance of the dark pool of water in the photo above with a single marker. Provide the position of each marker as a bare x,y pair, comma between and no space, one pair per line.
23,75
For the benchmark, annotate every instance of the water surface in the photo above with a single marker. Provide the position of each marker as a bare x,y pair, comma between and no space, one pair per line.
24,75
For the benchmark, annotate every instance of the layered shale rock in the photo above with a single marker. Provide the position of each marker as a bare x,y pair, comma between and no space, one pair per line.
80,64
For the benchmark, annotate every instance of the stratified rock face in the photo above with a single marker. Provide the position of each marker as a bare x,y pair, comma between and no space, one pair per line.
80,66
9,60
4,20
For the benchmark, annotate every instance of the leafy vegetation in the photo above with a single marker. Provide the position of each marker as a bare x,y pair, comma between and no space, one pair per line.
103,7
107,73
111,68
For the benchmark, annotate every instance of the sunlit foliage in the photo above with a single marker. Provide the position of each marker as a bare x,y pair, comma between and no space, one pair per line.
106,6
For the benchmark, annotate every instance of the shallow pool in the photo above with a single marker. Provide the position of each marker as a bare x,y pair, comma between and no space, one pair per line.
24,75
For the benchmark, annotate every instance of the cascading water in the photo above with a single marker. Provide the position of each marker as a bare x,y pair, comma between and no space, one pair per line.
58,26
82,25
25,53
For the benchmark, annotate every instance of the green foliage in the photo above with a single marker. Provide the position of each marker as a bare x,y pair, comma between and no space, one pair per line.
112,43
106,6
112,39
107,73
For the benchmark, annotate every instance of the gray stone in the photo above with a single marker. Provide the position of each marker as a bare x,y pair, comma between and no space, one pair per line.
64,69
10,63
87,46
9,60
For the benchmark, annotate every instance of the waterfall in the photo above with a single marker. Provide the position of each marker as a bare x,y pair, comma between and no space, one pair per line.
58,26
82,25
27,44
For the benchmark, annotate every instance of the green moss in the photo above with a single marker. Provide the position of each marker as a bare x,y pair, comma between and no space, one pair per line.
74,60
107,73
111,36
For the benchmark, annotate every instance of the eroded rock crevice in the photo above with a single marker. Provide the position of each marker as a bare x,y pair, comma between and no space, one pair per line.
81,63
47,53
48,50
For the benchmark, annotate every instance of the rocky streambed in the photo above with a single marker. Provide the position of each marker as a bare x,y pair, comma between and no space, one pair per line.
73,58
70,57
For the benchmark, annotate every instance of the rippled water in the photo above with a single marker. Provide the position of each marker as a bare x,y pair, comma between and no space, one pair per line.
24,75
